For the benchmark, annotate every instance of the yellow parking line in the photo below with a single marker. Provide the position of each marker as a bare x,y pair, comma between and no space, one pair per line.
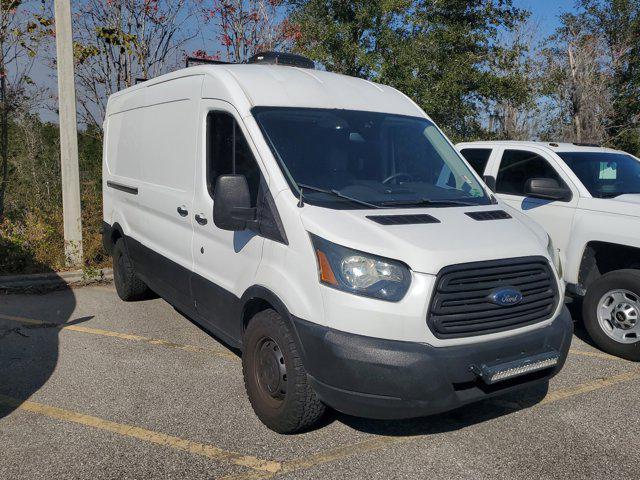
380,442
589,353
121,336
590,386
328,456
209,451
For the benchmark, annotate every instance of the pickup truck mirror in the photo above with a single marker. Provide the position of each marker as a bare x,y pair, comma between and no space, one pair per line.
232,203
547,188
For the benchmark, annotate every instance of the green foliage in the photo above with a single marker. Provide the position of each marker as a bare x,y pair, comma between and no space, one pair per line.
31,235
436,51
353,38
618,21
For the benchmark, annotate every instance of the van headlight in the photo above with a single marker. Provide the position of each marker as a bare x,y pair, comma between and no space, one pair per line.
554,255
360,273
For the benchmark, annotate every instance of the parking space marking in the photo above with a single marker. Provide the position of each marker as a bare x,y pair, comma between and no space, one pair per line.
121,336
321,458
209,451
591,386
381,442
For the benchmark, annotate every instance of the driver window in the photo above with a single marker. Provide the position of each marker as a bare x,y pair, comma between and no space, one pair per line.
518,166
228,153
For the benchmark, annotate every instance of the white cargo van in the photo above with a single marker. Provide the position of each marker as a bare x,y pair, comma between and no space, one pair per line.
588,199
325,226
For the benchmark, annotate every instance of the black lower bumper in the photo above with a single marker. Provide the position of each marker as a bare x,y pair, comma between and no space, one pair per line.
387,379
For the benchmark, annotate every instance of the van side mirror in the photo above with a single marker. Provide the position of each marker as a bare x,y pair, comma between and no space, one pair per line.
547,188
232,203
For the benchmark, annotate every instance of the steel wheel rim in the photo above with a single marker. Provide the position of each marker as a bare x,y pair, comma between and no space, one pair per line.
619,315
270,371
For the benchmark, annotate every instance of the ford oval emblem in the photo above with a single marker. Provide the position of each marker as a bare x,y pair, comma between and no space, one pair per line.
506,297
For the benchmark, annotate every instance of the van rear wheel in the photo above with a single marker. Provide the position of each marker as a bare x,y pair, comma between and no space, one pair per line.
127,283
274,377
611,313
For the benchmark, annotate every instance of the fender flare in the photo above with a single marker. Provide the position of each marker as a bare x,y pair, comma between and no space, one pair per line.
258,292
108,234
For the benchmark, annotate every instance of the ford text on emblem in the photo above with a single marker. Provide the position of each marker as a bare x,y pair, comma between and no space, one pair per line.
505,297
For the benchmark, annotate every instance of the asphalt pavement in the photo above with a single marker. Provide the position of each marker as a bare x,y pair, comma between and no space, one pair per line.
92,387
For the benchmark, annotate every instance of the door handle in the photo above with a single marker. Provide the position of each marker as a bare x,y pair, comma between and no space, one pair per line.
182,211
200,218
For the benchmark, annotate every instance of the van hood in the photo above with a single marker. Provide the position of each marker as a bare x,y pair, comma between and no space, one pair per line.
623,205
427,248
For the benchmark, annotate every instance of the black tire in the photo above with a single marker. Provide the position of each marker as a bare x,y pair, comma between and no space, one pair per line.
274,377
620,279
128,285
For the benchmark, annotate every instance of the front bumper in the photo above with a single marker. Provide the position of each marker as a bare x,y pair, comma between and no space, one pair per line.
388,379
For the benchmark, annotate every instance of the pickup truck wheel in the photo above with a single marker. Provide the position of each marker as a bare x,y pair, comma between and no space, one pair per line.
611,313
128,285
274,377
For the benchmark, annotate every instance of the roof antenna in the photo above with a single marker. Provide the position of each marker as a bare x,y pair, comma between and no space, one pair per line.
301,200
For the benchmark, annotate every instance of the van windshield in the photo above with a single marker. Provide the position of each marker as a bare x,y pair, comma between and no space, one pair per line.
605,174
352,159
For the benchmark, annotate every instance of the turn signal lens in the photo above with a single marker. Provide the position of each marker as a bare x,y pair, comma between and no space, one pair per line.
326,274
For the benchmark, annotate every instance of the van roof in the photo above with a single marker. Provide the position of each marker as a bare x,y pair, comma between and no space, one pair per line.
285,86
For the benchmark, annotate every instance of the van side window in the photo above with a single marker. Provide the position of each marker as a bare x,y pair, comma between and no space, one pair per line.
518,166
228,153
477,158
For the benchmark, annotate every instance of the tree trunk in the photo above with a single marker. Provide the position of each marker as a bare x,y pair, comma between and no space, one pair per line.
576,99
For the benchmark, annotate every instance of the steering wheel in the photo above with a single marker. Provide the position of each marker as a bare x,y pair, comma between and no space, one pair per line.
397,175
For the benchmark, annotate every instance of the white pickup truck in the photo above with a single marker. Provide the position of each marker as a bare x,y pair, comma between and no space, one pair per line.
588,200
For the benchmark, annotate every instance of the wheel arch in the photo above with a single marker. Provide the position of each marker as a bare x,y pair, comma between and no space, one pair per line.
110,235
257,299
599,258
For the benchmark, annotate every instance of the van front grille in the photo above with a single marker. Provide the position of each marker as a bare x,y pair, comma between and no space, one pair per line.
464,301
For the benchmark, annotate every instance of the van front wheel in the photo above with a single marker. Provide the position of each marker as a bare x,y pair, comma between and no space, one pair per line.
127,283
274,377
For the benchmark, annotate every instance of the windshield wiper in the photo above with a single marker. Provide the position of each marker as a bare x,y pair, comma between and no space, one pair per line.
427,203
335,193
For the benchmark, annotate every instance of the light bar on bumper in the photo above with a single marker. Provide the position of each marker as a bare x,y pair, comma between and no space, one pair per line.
505,371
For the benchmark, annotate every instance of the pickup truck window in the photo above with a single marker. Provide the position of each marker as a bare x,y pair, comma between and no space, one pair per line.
228,152
518,166
376,159
605,174
477,158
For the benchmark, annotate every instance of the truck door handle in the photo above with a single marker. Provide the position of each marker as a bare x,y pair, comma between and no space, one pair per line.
200,218
182,211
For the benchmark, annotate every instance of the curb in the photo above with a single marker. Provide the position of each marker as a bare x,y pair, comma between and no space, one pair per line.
52,281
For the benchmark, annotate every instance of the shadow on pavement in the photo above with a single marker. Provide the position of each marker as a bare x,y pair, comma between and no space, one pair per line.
29,352
450,421
575,308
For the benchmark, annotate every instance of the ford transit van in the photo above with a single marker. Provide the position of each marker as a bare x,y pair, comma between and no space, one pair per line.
326,227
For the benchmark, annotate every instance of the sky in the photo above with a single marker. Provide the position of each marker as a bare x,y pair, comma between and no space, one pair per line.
544,13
